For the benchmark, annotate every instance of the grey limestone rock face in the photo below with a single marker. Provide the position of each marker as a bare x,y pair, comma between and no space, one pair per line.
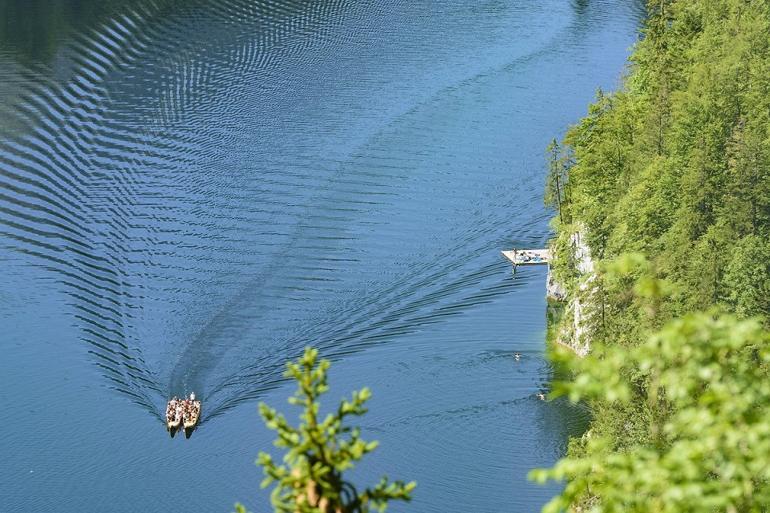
554,289
576,334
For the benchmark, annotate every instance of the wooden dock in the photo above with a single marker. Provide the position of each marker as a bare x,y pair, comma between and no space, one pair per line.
528,256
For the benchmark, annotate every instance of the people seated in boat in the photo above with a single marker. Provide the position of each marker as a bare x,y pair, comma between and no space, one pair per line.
173,411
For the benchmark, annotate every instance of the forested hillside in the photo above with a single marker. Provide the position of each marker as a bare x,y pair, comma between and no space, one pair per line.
677,165
668,181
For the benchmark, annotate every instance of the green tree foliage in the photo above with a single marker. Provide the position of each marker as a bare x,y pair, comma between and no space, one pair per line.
556,186
319,450
677,164
704,384
675,167
747,276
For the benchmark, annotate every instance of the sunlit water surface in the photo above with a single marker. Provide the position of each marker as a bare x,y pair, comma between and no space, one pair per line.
192,191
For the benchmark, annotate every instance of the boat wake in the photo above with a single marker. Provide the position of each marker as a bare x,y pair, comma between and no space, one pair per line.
318,173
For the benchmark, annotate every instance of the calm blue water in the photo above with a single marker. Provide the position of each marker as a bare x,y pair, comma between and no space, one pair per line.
192,191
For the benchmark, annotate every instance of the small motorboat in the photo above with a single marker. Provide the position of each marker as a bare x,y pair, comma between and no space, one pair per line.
191,413
174,415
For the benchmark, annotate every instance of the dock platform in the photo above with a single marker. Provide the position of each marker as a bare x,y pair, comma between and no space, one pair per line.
528,256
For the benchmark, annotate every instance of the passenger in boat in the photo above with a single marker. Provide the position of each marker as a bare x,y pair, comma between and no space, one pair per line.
173,410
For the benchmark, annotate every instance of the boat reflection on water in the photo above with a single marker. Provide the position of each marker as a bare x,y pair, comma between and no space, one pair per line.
182,413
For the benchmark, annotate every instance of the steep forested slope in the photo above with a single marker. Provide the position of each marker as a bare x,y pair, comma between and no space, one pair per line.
668,180
677,165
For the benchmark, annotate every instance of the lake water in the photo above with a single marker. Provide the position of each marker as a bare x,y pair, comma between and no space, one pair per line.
192,191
